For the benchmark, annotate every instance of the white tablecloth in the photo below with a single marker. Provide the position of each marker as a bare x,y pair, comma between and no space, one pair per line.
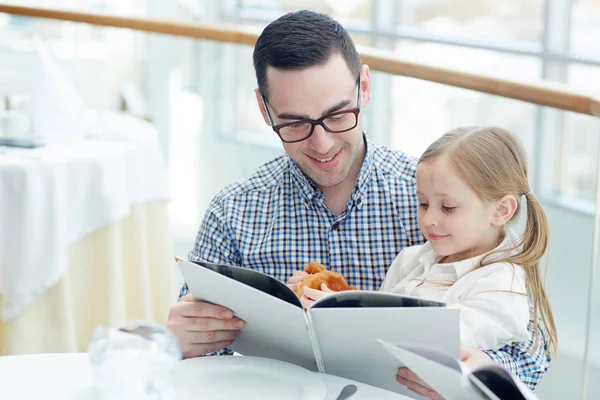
69,377
123,271
50,197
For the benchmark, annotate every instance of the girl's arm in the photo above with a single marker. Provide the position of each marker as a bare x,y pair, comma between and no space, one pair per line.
494,308
527,360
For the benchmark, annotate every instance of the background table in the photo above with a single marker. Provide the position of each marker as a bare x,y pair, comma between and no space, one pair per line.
84,237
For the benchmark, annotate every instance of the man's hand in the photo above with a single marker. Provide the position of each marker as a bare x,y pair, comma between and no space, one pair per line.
309,295
471,357
201,327
295,279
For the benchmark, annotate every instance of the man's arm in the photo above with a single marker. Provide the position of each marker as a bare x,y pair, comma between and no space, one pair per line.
214,242
202,328
526,360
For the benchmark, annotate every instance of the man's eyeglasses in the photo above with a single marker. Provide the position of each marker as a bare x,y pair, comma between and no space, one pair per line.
335,122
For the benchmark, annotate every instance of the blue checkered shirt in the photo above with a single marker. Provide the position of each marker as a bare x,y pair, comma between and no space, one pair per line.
276,221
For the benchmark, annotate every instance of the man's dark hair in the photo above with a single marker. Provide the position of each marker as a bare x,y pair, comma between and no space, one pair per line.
300,40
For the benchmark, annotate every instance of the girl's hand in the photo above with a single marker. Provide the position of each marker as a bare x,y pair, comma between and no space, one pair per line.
295,279
471,357
474,358
409,379
309,295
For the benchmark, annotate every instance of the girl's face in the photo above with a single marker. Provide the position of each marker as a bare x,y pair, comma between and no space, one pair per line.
456,222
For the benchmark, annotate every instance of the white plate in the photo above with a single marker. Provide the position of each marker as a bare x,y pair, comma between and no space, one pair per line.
247,378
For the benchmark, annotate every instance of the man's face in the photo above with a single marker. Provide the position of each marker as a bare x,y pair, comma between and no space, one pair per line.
329,159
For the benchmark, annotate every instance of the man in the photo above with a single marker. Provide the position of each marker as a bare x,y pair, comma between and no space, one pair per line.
334,197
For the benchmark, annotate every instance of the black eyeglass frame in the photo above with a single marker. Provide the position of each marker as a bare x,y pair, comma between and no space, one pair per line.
314,122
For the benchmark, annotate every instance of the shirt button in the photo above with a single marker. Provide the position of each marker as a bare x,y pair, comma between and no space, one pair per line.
358,201
335,226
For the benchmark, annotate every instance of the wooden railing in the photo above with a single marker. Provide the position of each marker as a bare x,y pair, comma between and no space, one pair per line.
543,93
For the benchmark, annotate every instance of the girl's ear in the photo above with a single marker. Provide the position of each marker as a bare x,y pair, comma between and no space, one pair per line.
505,209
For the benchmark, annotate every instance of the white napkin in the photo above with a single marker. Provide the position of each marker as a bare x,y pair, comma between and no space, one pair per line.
59,113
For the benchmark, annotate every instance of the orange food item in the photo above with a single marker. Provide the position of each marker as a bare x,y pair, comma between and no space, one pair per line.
318,275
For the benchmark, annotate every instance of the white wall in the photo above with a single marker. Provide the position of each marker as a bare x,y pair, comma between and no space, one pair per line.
567,282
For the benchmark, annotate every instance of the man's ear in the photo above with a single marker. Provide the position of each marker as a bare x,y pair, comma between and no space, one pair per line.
365,86
505,209
261,106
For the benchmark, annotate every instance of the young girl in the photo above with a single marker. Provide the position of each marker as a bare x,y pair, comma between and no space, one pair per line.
470,183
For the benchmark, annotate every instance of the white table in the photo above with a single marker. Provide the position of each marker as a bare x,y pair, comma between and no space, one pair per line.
69,377
84,237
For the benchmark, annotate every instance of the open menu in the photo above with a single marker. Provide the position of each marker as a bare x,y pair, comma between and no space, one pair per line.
448,376
337,335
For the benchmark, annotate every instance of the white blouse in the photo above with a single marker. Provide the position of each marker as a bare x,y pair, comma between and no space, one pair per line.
494,307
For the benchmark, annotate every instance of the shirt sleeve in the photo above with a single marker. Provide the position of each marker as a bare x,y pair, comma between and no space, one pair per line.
527,360
214,241
494,309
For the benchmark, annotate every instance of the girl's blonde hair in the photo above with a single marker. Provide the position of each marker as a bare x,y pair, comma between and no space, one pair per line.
493,163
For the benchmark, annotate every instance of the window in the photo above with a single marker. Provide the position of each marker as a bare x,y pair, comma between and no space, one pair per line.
519,39
348,11
585,30
423,111
248,120
580,140
81,49
489,19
